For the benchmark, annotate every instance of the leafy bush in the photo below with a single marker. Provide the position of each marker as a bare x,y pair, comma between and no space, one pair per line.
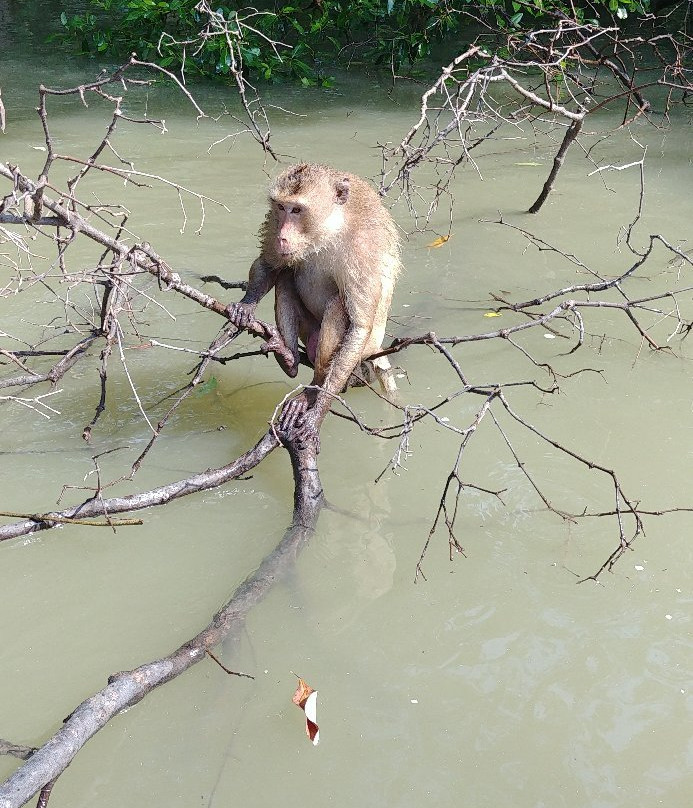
392,32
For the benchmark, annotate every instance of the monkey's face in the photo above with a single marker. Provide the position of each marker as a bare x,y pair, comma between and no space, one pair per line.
291,239
306,212
300,227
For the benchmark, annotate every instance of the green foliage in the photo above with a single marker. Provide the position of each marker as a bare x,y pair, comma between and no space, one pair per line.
119,27
392,32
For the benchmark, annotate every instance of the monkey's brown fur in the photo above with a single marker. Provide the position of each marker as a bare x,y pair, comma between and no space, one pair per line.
330,249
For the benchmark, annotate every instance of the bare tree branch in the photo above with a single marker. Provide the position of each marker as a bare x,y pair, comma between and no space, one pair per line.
127,688
556,75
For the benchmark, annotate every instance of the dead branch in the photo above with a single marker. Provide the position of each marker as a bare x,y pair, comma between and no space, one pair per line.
56,372
450,517
127,688
561,75
576,299
571,133
97,506
232,32
64,520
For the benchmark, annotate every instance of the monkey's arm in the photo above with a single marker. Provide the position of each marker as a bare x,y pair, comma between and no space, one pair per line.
343,363
262,279
242,314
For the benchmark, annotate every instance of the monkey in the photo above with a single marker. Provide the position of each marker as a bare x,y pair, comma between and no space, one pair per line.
331,251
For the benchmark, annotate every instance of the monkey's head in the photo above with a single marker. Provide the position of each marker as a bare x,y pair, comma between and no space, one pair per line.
306,212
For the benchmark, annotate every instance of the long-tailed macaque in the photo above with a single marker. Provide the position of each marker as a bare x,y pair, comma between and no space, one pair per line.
331,251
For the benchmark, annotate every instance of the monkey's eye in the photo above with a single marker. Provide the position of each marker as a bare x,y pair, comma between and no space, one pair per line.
296,209
280,206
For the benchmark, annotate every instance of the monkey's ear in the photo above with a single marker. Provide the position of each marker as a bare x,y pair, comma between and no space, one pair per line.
342,191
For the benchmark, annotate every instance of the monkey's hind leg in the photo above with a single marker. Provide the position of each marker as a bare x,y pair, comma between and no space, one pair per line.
303,414
293,321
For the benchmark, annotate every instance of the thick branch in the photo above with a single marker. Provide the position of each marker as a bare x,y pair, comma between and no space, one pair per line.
126,689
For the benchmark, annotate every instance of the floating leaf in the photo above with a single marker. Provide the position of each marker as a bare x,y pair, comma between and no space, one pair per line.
439,241
492,314
307,699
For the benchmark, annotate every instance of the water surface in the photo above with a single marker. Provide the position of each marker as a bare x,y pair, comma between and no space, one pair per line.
497,680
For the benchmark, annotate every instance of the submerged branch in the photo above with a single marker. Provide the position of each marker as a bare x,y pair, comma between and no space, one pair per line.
16,750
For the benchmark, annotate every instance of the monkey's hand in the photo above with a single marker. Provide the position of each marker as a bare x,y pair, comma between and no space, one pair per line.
300,420
241,314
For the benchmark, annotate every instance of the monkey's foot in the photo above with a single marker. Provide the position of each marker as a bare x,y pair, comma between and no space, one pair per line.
306,434
287,359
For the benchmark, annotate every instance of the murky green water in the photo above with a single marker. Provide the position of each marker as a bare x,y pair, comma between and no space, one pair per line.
495,681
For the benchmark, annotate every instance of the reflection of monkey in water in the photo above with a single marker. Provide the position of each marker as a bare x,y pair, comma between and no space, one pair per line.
331,251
